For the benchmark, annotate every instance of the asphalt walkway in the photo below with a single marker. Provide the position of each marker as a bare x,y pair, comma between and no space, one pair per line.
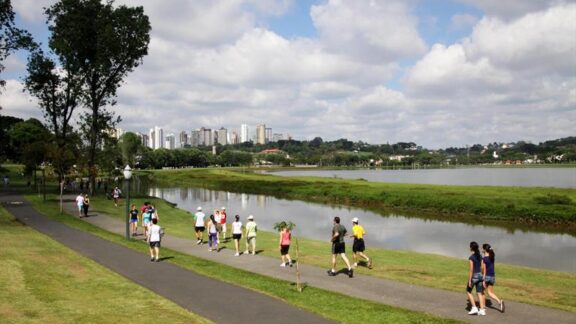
215,300
429,300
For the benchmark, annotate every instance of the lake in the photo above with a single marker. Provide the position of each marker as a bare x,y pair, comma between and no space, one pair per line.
392,231
510,177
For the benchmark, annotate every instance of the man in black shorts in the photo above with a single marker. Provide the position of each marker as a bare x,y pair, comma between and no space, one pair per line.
339,247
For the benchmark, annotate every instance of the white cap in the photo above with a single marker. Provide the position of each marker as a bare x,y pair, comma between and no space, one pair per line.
355,220
250,217
199,208
224,208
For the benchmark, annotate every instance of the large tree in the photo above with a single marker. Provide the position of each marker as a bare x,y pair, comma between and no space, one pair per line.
104,44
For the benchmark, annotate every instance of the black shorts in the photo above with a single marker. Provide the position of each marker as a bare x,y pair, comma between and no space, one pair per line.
236,236
155,244
338,247
199,228
284,249
358,245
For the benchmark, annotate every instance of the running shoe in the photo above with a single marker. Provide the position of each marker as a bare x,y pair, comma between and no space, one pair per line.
350,273
331,273
502,306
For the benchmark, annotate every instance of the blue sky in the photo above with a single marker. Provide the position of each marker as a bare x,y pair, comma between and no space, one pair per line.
435,72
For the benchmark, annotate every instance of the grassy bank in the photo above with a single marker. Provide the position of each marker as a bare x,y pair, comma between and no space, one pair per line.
328,304
43,281
540,287
554,208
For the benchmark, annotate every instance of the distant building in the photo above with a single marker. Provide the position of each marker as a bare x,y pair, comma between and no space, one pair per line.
268,135
206,137
277,137
170,142
144,139
244,133
261,134
156,138
234,138
222,136
195,138
115,132
183,139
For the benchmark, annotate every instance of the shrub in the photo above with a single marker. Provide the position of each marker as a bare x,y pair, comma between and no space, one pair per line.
553,199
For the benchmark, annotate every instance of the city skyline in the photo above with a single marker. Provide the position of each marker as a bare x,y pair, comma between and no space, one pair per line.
440,73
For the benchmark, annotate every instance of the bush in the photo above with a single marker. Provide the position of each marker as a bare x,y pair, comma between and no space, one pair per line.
553,199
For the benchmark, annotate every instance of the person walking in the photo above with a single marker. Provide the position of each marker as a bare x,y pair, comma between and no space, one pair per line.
358,246
153,239
490,274
218,226
284,245
86,205
237,233
153,213
339,247
134,219
80,204
199,225
146,217
251,230
212,234
116,195
223,223
475,280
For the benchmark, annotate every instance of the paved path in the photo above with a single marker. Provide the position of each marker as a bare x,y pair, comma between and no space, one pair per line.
434,301
212,299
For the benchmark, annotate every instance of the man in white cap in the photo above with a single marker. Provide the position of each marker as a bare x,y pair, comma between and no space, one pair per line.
251,229
199,224
358,246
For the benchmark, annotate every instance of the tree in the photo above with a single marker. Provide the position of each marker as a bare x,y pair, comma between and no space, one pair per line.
11,38
130,146
31,140
103,44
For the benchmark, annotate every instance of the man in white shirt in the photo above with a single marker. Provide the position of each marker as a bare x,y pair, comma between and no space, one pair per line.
154,237
199,225
80,204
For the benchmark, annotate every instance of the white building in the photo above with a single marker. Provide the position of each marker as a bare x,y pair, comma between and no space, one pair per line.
244,133
222,136
170,142
156,138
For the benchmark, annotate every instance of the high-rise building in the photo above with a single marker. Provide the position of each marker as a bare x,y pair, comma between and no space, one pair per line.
222,136
183,139
144,139
206,137
277,137
234,138
170,142
268,135
244,133
195,138
261,134
156,138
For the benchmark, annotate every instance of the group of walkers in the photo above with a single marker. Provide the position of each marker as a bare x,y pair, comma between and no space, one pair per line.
482,276
83,203
339,246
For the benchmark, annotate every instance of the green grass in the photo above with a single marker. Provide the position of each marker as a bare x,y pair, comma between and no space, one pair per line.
332,305
477,204
528,285
42,281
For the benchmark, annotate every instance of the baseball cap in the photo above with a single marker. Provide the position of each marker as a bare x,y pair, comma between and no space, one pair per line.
355,220
199,208
250,217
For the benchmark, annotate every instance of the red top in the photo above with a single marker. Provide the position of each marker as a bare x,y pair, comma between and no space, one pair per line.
222,217
286,238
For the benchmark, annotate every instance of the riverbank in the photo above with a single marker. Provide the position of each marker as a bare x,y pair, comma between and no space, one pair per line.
538,207
528,285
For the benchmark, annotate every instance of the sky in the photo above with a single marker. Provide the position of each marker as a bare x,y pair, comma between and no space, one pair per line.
438,73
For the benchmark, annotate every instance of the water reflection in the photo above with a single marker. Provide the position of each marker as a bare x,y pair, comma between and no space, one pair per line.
539,250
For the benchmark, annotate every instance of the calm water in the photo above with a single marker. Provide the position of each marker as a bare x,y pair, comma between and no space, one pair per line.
514,177
538,250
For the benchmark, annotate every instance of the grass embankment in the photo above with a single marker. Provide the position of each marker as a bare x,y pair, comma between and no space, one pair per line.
43,281
533,286
537,206
331,305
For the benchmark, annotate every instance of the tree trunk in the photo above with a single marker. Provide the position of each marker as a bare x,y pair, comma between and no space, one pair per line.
92,149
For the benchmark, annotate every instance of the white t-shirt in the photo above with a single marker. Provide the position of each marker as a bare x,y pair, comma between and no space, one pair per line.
154,233
80,200
217,218
200,219
237,227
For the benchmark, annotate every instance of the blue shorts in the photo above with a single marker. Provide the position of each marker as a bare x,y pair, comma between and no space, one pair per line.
133,220
476,282
490,280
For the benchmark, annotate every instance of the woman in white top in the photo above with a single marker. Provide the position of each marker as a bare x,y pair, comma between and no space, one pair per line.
154,236
237,233
212,234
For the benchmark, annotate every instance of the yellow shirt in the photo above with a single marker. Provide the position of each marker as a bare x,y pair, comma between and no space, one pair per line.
358,231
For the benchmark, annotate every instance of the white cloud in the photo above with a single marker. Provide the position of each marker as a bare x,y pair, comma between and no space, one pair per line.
513,9
31,11
461,21
369,31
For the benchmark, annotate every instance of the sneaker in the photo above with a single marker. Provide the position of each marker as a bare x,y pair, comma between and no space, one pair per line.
237,254
151,259
350,273
283,264
331,273
502,306
254,253
246,252
355,265
482,312
157,260
473,311
198,242
289,263
370,263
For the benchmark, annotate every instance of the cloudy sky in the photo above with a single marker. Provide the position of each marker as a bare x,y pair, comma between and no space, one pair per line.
436,72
